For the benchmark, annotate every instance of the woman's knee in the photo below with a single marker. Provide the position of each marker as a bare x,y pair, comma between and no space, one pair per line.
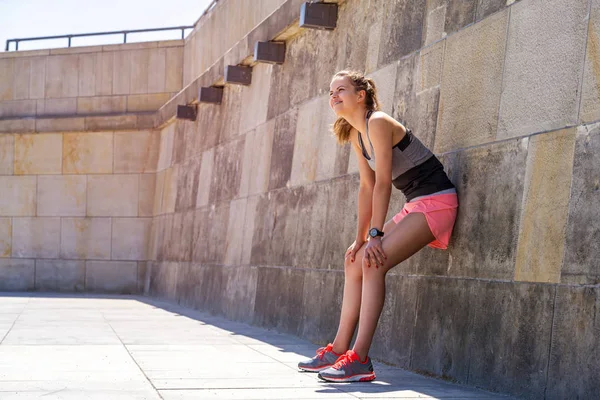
353,269
371,270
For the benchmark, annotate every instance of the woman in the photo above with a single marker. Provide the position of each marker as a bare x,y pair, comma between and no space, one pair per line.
387,154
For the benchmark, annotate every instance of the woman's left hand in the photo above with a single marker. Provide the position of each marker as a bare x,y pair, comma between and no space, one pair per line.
374,254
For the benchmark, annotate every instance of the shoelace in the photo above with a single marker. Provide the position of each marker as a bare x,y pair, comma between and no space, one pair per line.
322,350
342,361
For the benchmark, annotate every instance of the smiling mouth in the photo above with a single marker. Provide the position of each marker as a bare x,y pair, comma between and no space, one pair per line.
337,102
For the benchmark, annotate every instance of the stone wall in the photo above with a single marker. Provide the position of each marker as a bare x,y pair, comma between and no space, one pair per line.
261,202
115,79
75,210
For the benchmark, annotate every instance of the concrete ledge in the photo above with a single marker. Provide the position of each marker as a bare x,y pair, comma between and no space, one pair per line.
134,121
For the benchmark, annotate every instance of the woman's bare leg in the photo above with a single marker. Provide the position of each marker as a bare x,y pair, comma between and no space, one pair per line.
409,236
353,286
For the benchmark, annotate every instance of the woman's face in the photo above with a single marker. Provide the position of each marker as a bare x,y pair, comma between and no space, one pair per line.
343,97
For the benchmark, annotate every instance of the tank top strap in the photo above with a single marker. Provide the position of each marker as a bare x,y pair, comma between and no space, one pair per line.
369,113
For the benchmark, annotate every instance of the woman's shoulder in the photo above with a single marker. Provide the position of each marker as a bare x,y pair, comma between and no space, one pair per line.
383,119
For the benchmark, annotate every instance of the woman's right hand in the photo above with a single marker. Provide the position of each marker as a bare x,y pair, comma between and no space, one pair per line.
353,249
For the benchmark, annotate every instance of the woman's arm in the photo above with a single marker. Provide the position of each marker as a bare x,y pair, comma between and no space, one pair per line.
365,192
381,137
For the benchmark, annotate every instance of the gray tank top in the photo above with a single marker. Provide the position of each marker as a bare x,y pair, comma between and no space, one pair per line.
406,154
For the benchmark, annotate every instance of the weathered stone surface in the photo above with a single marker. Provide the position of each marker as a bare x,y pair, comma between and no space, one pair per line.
542,230
239,293
402,31
248,228
38,154
510,337
111,276
146,195
158,193
57,124
130,238
36,237
88,153
488,7
471,85
18,195
139,71
166,147
179,244
444,314
459,13
7,68
209,234
208,125
18,108
187,184
225,185
395,330
590,96
146,102
575,353
169,198
104,73
18,125
174,78
111,122
545,34
205,177
309,244
283,149
101,105
321,305
5,237
490,180
61,196
258,148
255,103
234,243
157,66
112,195
164,279
582,246
85,238
17,274
87,75
435,22
275,227
60,275
279,294
231,111
7,154
55,107
121,79
136,151
62,76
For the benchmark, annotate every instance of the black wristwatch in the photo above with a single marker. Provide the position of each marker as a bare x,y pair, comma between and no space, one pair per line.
374,232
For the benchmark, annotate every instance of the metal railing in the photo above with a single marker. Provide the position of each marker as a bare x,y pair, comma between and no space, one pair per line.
71,36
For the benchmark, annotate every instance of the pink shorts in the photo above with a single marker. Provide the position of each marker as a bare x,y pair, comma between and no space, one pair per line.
440,212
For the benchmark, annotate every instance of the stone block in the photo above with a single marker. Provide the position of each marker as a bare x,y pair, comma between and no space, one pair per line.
59,124
112,122
542,230
248,228
130,238
60,275
88,153
17,125
435,23
187,184
36,237
488,7
257,160
582,245
402,29
510,337
575,352
545,34
112,195
104,73
87,74
157,67
17,275
283,149
309,245
38,154
22,78
174,72
37,84
101,105
235,239
385,82
240,293
136,152
62,76
490,182
7,154
459,13
471,85
287,286
5,237
139,71
158,193
147,102
61,196
121,69
146,196
18,196
7,68
169,198
254,102
232,108
321,305
144,270
209,234
444,313
55,107
589,110
225,185
85,238
205,177
111,276
166,147
18,108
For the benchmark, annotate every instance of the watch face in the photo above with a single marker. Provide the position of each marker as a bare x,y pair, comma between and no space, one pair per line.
373,232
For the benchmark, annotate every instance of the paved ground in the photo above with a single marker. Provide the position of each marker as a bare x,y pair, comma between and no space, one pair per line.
113,348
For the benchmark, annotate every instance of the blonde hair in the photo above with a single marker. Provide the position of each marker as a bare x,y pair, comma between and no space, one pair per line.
341,128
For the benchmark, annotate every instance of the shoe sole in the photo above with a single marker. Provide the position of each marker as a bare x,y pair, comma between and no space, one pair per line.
353,378
319,369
